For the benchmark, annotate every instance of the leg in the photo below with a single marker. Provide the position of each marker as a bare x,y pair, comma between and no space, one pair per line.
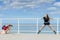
6,31
2,32
41,29
51,27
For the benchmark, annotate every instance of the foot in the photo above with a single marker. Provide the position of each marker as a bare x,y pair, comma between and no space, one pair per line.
38,32
55,32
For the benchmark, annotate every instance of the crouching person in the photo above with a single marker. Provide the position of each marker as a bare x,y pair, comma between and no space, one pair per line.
5,29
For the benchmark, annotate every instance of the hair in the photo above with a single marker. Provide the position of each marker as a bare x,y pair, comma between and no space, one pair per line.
10,25
47,16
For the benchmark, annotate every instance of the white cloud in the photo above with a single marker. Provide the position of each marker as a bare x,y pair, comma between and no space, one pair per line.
6,1
30,6
41,1
24,3
52,8
15,5
57,4
54,12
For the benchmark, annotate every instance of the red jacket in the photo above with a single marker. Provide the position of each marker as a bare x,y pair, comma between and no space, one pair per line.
5,27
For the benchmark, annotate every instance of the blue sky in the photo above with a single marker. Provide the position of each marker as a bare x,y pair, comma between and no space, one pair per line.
29,8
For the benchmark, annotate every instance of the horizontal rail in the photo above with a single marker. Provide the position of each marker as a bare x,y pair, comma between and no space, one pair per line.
37,21
26,18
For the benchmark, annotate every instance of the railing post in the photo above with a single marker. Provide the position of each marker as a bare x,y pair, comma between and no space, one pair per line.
1,23
18,25
37,25
57,25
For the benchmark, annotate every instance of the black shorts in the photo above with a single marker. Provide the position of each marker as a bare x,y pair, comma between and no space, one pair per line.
47,23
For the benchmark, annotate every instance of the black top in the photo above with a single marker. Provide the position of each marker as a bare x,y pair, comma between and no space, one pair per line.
46,19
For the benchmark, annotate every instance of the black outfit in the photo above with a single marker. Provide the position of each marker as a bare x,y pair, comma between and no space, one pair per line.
46,21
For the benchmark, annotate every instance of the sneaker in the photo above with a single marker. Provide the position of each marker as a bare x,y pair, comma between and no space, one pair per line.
55,32
39,31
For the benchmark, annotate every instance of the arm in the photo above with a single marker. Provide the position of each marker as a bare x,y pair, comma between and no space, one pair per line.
52,18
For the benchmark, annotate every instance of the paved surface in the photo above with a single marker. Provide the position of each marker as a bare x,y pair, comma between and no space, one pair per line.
29,37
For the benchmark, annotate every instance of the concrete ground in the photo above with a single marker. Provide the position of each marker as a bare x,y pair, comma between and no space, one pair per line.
29,37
